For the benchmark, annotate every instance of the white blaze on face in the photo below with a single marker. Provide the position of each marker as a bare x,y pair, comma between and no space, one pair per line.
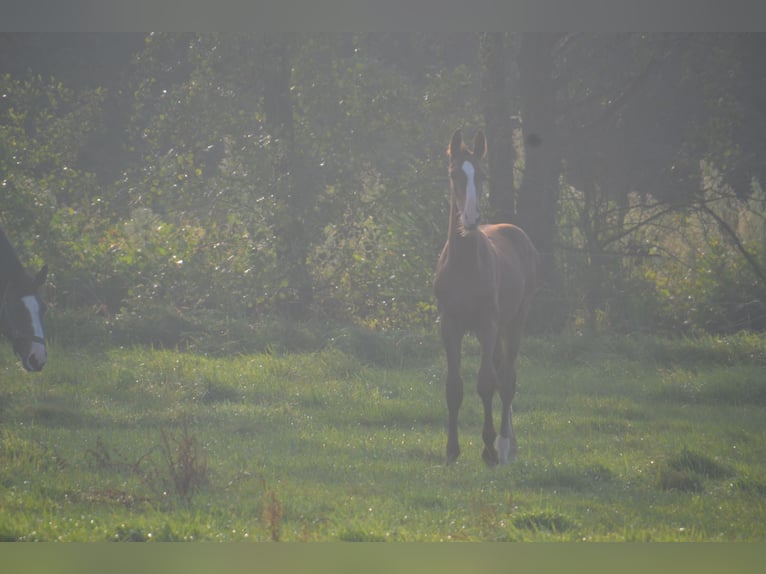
37,350
470,214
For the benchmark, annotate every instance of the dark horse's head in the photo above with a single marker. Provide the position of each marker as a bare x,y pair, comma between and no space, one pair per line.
466,177
21,318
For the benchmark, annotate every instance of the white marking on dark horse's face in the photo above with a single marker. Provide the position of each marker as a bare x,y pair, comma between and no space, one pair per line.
469,214
36,357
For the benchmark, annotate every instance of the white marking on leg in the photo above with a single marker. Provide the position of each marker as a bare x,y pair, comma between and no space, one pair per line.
506,449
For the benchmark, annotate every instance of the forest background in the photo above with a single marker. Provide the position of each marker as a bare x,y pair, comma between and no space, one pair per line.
178,180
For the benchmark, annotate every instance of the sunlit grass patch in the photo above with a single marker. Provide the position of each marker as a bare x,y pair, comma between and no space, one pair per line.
680,385
326,444
20,454
566,476
731,385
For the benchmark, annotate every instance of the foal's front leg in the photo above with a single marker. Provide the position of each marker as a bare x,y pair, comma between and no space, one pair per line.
452,337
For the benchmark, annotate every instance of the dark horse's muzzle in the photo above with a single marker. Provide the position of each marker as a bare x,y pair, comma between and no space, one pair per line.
32,353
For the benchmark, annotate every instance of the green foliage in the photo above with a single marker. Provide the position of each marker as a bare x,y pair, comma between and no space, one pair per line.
196,209
367,269
199,215
43,128
708,270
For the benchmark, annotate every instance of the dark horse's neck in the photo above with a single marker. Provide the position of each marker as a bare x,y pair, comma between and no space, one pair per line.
10,266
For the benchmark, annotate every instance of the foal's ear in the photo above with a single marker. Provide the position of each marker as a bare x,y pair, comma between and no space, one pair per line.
480,145
41,275
455,144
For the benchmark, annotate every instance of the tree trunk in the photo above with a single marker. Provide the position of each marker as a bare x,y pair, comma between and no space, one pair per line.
501,156
539,192
291,188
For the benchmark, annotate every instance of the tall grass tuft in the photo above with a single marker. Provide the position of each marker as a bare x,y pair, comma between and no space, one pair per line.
543,520
185,461
687,470
272,514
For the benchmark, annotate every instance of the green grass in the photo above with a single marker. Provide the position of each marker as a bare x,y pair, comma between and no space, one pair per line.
629,439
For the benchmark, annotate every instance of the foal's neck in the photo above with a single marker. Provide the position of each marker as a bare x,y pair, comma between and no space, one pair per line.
461,248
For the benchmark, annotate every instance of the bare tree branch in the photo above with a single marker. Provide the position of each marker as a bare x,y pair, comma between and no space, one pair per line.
734,238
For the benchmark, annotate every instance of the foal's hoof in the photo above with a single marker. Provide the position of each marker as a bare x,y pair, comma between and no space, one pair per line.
452,455
489,455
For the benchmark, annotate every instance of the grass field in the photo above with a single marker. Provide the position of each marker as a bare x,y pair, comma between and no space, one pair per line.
626,439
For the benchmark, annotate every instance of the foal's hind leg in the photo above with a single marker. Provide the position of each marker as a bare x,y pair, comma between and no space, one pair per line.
506,358
486,387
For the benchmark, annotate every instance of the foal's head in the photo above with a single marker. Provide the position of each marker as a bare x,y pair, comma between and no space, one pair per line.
21,314
466,177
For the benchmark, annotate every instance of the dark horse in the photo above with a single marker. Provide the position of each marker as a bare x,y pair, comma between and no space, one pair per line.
21,309
485,280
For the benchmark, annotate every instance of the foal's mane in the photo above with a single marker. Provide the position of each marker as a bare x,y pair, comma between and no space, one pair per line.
464,150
